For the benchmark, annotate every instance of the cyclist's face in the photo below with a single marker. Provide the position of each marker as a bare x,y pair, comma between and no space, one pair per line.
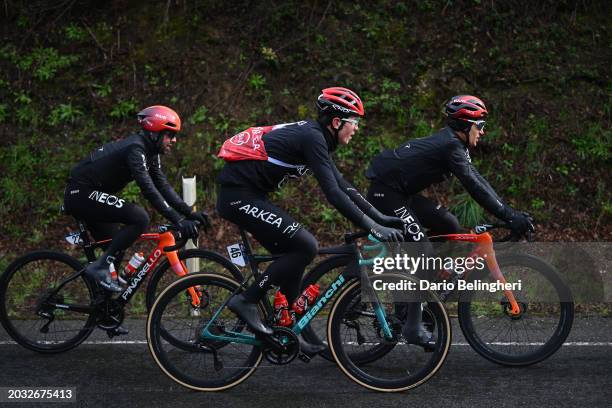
168,141
351,125
475,135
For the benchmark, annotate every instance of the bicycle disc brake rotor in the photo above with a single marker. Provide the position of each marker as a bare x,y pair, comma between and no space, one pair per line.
286,349
507,309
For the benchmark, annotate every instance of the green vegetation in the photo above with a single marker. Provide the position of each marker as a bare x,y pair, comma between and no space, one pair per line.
72,83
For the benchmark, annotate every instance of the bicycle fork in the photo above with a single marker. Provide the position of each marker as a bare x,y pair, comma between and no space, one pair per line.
489,254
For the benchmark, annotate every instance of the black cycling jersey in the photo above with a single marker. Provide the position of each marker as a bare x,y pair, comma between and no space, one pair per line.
293,150
419,163
112,166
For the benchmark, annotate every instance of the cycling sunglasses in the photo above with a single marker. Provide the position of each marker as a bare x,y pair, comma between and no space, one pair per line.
480,124
354,122
170,134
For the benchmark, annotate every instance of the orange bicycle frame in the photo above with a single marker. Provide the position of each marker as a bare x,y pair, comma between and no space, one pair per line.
484,249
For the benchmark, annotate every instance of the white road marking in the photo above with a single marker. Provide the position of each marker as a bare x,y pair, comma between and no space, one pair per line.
568,344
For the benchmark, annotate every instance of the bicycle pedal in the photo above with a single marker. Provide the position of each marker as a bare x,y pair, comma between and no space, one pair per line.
304,357
117,331
429,347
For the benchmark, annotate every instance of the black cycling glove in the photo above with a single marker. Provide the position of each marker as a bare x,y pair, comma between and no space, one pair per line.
520,223
200,217
386,234
188,229
393,222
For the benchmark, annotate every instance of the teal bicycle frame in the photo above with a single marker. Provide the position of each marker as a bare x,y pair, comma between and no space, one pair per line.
297,328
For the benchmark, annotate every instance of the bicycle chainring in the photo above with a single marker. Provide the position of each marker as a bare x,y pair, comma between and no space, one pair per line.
286,346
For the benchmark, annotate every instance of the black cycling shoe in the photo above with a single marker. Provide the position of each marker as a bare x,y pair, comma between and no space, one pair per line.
118,331
99,272
413,329
310,349
419,336
249,313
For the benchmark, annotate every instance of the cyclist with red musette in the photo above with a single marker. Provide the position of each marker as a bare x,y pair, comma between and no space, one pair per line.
398,176
91,193
258,161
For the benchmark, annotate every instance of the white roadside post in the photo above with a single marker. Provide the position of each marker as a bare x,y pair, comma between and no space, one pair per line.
189,196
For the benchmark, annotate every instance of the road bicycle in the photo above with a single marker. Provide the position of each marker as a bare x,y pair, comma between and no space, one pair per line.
511,328
49,305
216,352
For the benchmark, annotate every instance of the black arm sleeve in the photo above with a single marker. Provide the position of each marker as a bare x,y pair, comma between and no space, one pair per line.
166,190
355,196
318,160
476,185
137,163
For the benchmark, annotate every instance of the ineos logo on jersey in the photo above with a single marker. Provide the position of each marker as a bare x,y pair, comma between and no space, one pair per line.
265,216
413,228
107,199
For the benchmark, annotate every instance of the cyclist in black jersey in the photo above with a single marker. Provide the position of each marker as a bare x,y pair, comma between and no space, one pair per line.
398,176
91,193
260,160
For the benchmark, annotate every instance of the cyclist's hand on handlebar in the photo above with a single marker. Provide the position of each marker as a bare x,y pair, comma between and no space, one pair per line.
386,234
393,222
521,223
200,217
188,229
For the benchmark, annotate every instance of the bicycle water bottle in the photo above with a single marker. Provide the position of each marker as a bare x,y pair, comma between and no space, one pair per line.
306,299
113,271
281,310
131,267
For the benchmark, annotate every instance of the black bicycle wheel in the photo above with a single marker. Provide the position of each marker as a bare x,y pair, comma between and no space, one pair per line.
324,273
351,327
545,321
196,366
27,296
196,260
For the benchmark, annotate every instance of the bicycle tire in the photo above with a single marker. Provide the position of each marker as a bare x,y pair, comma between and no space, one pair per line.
41,267
504,349
170,361
378,375
317,333
162,270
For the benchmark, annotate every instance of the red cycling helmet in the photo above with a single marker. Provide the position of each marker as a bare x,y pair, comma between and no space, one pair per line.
466,107
157,118
339,101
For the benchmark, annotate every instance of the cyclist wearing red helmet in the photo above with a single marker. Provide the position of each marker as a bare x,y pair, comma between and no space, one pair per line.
397,176
91,193
259,160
